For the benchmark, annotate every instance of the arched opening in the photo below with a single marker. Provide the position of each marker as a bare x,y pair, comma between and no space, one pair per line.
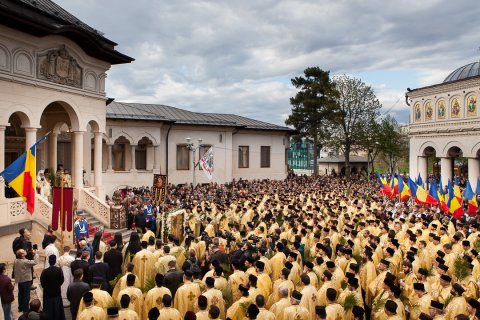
459,164
14,143
120,149
144,154
433,163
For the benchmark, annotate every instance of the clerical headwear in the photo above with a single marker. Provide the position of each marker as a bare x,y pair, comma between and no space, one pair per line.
202,301
296,295
445,277
419,286
385,262
474,303
353,282
436,305
260,265
190,315
112,312
293,255
210,281
327,274
330,264
252,311
391,306
458,288
331,294
309,264
88,297
388,282
288,265
423,271
424,316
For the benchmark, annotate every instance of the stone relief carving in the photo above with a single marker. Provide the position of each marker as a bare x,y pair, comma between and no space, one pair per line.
58,66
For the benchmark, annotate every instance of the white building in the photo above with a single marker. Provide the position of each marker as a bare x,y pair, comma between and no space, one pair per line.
52,79
444,121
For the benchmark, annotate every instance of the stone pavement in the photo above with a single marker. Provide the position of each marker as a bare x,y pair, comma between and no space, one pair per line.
34,294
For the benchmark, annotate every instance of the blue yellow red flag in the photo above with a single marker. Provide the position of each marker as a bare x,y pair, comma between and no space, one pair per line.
21,175
472,199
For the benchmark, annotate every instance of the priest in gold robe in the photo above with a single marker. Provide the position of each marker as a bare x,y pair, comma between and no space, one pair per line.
155,295
187,294
125,313
457,305
144,264
236,310
167,312
90,311
278,261
284,302
101,298
296,311
135,294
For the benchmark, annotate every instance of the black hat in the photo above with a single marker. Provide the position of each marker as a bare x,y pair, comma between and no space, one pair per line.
331,294
474,303
423,271
445,277
419,286
288,265
385,262
202,301
353,282
390,251
112,311
190,315
327,273
210,281
388,282
391,306
436,305
330,264
396,290
294,255
354,267
153,314
458,288
424,316
260,264
88,296
358,311
296,295
309,264
321,312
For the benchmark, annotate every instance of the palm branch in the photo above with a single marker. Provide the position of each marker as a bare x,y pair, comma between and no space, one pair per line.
379,304
149,284
476,245
113,282
448,300
460,268
244,306
350,301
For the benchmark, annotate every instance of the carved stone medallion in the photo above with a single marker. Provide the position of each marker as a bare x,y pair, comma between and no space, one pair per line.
58,66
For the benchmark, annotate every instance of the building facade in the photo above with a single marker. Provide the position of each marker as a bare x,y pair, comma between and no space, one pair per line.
445,126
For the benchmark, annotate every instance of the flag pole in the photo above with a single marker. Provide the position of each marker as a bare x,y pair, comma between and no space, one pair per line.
61,213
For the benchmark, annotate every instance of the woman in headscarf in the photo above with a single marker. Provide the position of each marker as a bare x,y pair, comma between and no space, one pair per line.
98,244
133,246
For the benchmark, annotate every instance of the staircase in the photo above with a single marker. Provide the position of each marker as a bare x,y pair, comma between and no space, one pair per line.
108,234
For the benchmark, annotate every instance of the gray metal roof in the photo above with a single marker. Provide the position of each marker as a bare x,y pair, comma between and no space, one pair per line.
53,9
159,112
467,71
248,123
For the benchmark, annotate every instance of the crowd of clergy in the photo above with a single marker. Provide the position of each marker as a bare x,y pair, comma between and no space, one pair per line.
300,249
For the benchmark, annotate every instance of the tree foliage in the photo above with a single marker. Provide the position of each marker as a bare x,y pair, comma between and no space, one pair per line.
313,107
392,143
357,109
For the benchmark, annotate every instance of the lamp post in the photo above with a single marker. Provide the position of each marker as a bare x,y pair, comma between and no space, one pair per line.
192,147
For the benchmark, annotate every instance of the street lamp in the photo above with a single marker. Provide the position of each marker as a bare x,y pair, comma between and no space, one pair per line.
192,147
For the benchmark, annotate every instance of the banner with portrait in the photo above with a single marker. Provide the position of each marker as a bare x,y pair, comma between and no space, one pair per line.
159,189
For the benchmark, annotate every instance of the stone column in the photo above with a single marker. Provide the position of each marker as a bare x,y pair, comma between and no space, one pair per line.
2,160
30,137
78,156
422,167
473,172
97,163
110,158
52,151
156,158
446,170
133,165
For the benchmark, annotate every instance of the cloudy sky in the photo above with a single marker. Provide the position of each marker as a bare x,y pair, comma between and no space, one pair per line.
239,56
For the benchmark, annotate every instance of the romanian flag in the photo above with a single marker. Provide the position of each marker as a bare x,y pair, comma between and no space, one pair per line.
456,190
454,206
419,194
394,186
384,187
413,187
403,189
436,193
419,180
472,200
21,175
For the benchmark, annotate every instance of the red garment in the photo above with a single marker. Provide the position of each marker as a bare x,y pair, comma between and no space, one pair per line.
6,289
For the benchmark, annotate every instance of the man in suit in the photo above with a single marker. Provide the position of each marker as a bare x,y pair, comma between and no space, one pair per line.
114,259
75,291
81,262
51,280
173,277
99,271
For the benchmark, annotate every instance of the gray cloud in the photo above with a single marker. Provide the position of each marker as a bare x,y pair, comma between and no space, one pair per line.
239,56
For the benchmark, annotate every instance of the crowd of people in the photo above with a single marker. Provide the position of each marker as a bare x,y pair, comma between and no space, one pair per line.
298,249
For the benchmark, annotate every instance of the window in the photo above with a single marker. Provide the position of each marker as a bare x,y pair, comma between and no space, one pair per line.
243,153
141,157
265,156
183,157
201,151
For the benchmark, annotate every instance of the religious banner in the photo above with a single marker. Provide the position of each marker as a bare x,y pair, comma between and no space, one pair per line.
207,163
159,189
67,216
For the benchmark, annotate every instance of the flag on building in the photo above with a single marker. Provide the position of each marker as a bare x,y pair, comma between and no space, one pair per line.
454,206
384,187
207,163
472,199
21,175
